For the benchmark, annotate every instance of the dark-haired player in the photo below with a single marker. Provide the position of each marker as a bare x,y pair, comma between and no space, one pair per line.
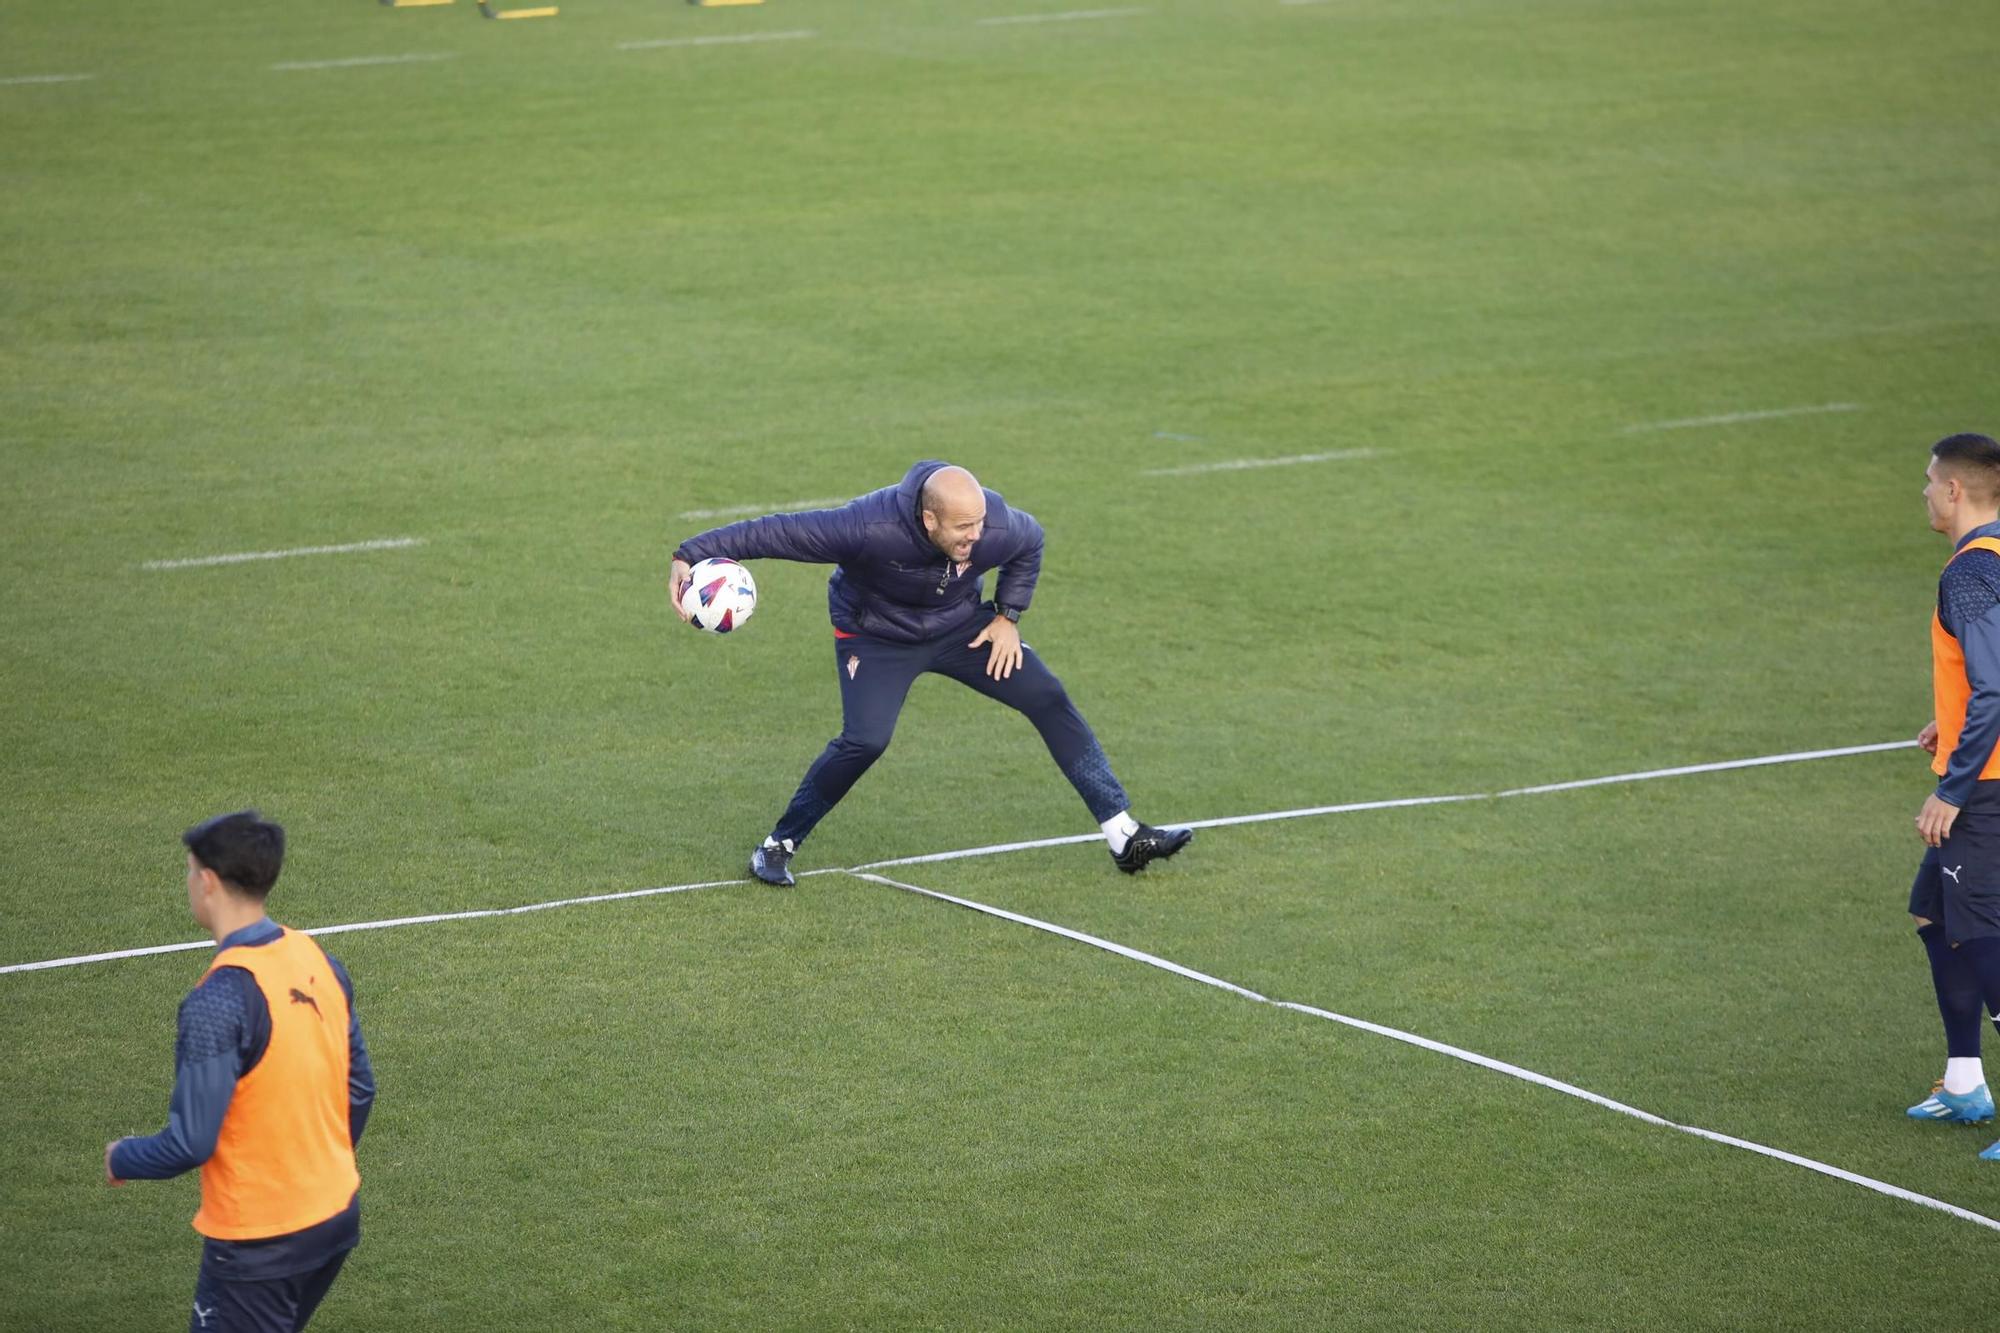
272,1087
907,598
1956,896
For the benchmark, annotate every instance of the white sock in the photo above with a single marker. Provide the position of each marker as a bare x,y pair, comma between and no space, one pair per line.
1963,1074
1118,831
786,844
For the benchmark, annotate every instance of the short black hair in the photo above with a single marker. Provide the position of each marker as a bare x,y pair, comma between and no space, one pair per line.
244,849
1976,461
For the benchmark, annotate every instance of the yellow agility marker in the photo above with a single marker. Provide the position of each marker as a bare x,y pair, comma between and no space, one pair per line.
546,12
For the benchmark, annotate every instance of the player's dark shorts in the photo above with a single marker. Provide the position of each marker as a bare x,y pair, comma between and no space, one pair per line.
1958,883
274,1285
280,1305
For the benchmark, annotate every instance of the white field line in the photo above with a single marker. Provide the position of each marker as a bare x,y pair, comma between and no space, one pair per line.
777,507
353,62
1731,418
1066,16
20,79
1441,1048
1244,464
996,849
737,39
1355,807
1647,776
380,544
1306,813
473,915
1137,955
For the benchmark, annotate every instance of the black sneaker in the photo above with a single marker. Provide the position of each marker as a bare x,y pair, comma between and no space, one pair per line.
772,863
1150,844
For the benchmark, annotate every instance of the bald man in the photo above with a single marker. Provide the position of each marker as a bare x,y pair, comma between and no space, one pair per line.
907,597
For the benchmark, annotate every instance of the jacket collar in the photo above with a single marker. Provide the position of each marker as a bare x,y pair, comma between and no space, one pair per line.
261,931
1983,530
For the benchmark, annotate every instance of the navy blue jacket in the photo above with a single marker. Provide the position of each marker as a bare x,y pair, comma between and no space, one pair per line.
892,582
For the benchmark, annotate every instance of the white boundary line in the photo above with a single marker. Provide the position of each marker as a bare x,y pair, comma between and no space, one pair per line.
1801,757
1066,16
1244,464
998,849
20,79
782,507
1730,418
1353,807
736,39
394,921
354,62
1441,1048
380,544
1307,813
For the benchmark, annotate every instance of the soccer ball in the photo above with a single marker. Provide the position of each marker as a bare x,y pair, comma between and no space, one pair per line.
720,596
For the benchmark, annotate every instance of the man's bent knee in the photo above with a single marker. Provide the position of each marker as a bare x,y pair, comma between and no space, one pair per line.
866,749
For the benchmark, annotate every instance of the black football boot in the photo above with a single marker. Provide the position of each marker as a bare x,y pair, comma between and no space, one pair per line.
1151,844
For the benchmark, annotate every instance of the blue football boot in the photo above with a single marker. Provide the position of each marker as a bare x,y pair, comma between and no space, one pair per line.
1967,1108
772,863
1991,1154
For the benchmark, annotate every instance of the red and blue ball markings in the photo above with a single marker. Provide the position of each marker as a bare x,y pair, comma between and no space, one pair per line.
707,594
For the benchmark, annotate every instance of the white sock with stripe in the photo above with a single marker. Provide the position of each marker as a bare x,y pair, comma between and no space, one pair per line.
1118,831
1963,1074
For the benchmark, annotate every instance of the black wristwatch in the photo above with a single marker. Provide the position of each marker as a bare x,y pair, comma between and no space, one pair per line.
1012,613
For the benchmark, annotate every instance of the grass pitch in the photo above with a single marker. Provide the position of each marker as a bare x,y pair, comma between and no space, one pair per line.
534,298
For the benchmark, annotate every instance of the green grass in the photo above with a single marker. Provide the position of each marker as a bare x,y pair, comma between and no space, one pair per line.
533,302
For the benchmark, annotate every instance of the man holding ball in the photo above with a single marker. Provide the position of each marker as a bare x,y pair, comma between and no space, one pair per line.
906,597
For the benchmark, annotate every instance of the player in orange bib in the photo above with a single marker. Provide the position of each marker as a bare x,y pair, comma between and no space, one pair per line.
1955,898
272,1087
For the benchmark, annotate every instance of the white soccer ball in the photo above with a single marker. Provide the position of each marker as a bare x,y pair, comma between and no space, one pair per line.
720,596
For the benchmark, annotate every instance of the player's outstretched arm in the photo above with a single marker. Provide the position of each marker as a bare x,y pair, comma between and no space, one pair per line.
813,537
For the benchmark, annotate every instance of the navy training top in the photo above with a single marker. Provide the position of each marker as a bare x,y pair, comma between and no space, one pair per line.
1968,606
223,1030
892,582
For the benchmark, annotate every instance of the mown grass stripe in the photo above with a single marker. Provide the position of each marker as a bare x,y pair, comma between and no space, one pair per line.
778,507
1246,464
355,62
1731,418
241,557
736,39
1064,16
